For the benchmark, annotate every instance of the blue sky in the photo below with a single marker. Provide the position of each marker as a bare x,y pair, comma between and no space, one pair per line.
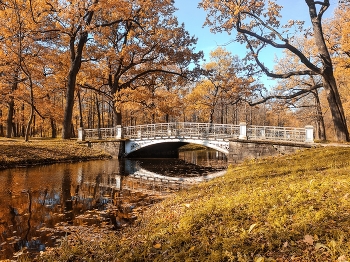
194,18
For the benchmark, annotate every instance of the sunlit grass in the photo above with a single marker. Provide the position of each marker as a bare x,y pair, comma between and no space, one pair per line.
290,208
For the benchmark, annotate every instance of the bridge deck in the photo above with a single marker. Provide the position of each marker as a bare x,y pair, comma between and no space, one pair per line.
205,131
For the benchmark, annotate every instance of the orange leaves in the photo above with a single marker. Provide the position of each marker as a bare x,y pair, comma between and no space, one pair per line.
222,85
149,101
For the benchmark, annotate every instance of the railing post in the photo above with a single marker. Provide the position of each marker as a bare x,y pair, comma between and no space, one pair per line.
243,130
118,132
99,134
309,132
263,133
81,134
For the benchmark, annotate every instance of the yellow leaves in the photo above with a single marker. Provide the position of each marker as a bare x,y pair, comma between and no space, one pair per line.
157,245
251,228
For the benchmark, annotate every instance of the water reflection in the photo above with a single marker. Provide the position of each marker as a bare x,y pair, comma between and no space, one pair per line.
38,204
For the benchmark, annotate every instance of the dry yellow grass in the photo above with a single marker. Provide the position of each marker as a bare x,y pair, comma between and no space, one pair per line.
290,208
15,152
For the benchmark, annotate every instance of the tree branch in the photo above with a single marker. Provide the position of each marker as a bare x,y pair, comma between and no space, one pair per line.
274,75
287,46
285,97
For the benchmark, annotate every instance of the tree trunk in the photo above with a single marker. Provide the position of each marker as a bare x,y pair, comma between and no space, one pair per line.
9,121
98,117
68,110
30,120
53,128
81,123
75,59
166,118
337,111
320,126
211,115
328,79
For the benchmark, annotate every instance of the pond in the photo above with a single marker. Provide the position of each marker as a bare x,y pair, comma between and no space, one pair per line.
39,204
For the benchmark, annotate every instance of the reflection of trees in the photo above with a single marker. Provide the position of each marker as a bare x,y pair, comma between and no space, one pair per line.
66,194
38,199
30,214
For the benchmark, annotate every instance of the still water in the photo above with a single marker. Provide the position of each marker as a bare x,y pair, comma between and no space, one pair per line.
38,204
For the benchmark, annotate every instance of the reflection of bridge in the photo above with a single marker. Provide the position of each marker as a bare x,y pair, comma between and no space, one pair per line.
216,136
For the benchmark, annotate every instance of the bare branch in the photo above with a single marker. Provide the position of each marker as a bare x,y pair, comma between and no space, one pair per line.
274,75
285,97
286,45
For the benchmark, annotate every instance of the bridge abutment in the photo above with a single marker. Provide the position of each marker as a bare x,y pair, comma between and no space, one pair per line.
115,148
240,150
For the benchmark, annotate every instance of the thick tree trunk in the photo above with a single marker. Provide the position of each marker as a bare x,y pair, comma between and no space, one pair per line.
68,110
329,83
336,107
75,58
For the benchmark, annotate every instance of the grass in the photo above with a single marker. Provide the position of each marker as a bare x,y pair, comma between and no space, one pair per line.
16,152
290,208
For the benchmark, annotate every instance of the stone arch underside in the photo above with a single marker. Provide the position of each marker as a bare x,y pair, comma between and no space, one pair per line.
168,147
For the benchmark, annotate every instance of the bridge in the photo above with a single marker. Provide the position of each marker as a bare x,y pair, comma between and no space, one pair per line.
221,137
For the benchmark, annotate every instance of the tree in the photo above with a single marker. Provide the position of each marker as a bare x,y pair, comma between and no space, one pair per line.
76,23
22,65
138,55
299,91
221,85
258,26
337,30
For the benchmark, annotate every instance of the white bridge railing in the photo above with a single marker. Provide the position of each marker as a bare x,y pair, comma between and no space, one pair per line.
182,129
101,133
202,131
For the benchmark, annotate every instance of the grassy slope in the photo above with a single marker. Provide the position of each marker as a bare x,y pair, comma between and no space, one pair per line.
290,208
15,152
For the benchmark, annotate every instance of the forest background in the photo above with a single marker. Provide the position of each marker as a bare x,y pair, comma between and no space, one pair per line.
94,64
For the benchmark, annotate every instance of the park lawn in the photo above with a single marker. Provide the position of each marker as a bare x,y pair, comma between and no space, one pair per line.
17,152
288,208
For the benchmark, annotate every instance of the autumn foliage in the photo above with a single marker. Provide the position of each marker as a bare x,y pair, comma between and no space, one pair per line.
91,64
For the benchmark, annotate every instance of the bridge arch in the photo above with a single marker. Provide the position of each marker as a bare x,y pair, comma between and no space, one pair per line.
133,145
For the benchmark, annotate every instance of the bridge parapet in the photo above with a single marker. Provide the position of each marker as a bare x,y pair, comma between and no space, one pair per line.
205,131
182,129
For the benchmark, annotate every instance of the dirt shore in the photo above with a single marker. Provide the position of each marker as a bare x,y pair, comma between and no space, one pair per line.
17,152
